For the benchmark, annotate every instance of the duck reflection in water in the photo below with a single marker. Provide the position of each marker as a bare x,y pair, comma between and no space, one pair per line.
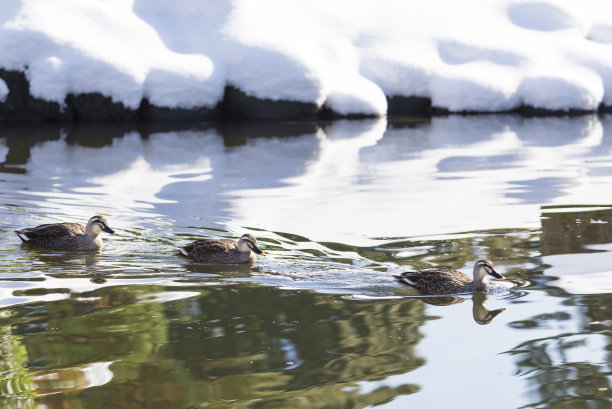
480,313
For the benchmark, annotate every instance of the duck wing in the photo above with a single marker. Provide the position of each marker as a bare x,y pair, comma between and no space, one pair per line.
434,280
209,246
54,230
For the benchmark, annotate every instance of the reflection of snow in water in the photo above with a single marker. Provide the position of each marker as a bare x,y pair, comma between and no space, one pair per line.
403,184
3,151
579,277
349,182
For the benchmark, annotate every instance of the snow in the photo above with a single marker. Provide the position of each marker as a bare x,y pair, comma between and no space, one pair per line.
476,55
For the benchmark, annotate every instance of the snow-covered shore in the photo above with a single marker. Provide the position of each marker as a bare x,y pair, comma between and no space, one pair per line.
124,60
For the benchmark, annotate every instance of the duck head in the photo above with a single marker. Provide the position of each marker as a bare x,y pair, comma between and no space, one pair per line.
248,243
482,268
97,225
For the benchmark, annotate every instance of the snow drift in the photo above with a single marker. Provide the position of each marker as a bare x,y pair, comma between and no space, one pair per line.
345,56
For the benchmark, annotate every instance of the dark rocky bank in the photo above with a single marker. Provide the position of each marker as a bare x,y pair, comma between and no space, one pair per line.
21,107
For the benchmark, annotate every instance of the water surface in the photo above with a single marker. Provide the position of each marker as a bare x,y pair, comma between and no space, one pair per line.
318,322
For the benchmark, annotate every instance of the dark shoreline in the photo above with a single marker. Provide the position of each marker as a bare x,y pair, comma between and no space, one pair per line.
20,107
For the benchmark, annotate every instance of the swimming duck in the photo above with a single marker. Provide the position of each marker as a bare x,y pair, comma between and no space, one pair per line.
67,236
442,280
223,251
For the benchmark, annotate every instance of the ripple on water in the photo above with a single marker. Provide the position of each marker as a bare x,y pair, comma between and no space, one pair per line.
319,321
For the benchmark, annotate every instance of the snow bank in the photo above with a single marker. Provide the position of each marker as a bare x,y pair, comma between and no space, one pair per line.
347,55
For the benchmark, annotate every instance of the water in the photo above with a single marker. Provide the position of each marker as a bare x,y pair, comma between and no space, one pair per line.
318,322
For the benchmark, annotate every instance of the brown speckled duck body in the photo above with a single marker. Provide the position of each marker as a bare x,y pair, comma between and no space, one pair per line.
67,236
442,280
223,251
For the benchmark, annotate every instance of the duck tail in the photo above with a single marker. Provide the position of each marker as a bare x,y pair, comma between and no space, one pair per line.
181,251
22,235
402,279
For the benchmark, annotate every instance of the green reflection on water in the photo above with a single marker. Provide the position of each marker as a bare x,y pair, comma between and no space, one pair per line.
214,343
555,377
556,368
226,346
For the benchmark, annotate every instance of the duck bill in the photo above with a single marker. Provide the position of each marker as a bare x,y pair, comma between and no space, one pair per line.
497,275
492,314
109,230
258,251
